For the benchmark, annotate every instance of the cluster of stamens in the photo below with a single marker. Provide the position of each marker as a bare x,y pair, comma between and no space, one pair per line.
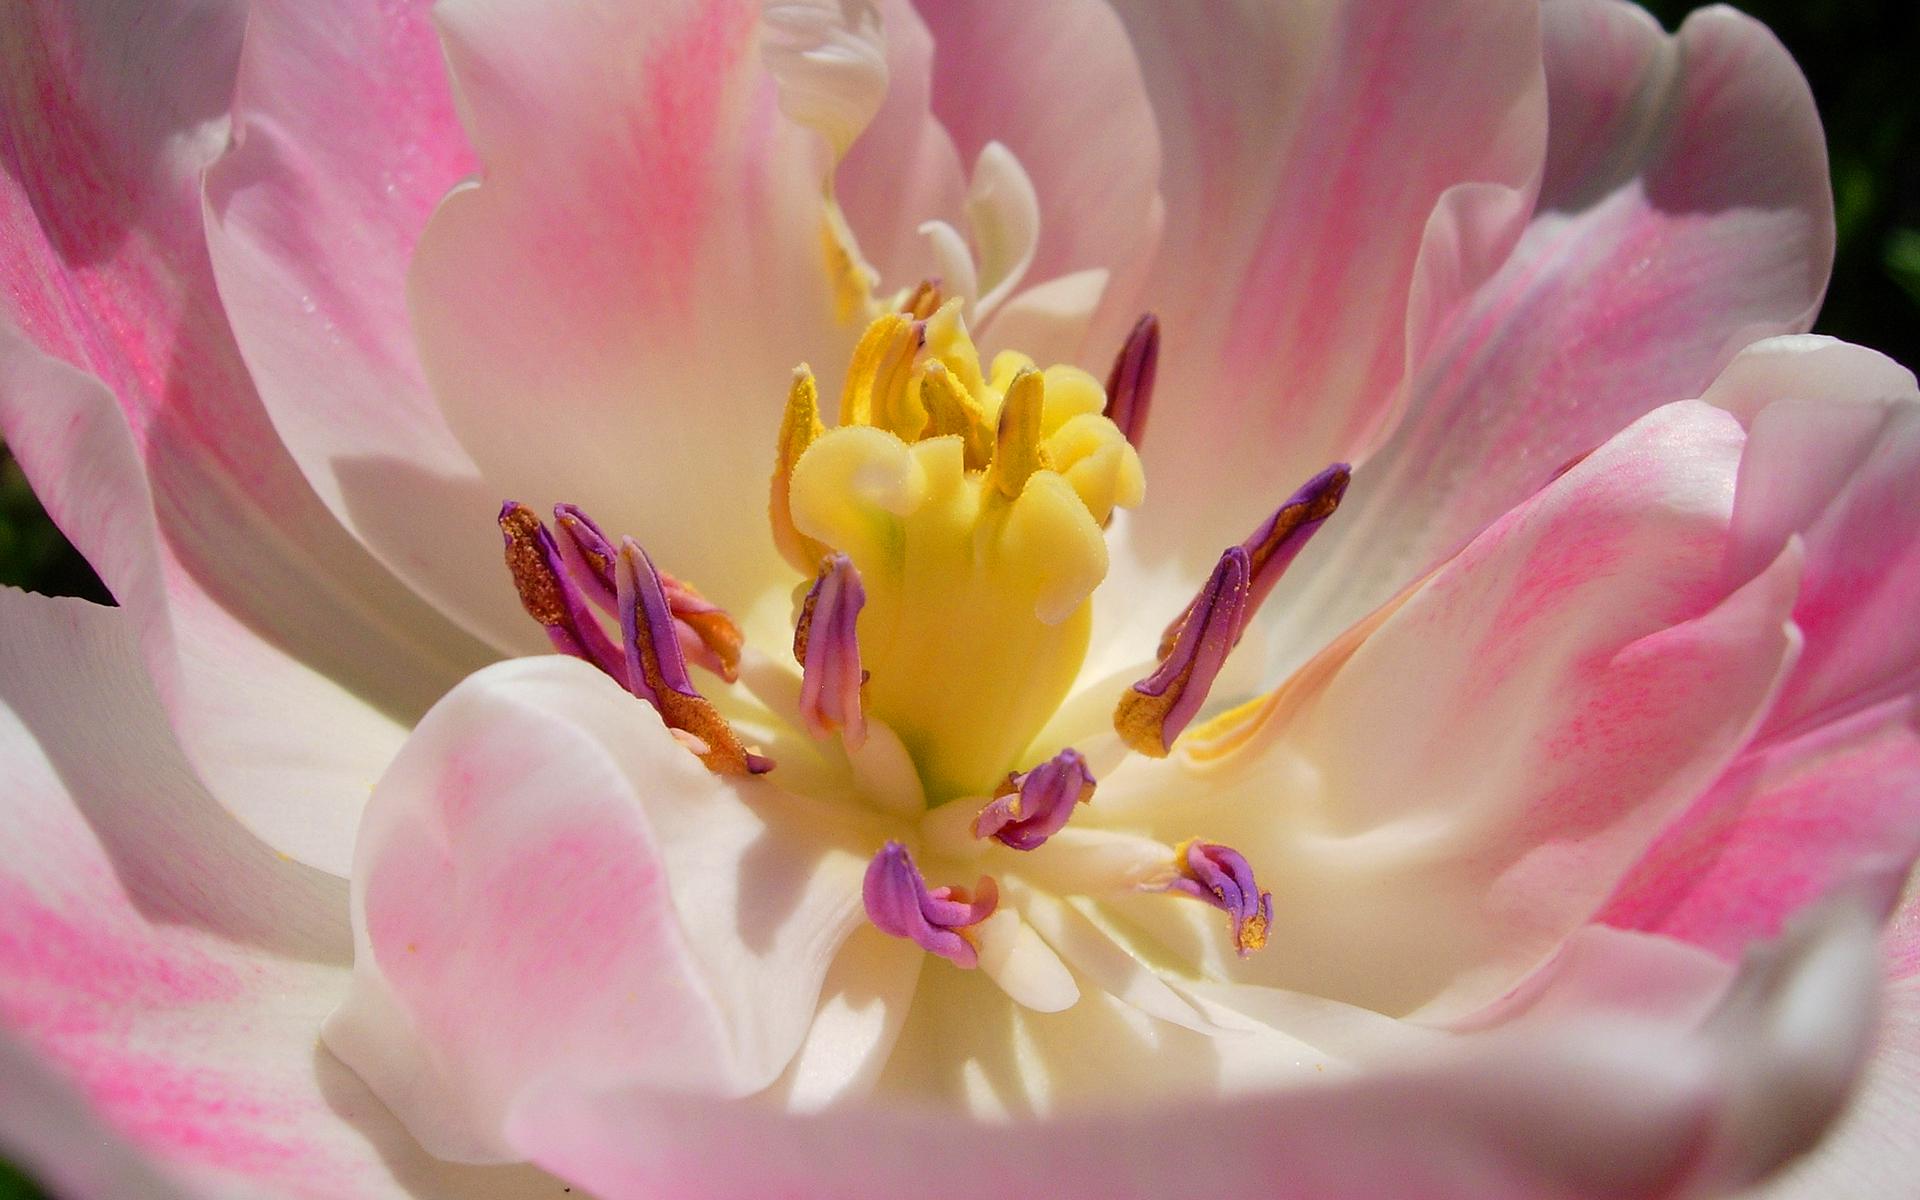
950,524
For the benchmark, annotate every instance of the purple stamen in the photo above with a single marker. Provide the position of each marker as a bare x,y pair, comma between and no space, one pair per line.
1153,712
1130,382
1279,539
1032,806
899,903
825,645
550,593
646,626
708,637
657,672
589,553
1219,876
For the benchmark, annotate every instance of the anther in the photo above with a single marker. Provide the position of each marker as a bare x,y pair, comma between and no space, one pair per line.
1130,382
1278,540
825,645
657,672
899,903
708,636
1281,537
800,427
1152,713
550,593
951,411
1220,876
1017,452
1032,806
923,301
877,391
588,553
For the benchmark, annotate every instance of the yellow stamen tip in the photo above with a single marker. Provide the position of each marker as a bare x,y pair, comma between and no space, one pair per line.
800,427
1017,450
877,391
952,412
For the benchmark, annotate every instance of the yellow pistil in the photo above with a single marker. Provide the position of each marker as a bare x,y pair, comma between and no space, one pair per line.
972,507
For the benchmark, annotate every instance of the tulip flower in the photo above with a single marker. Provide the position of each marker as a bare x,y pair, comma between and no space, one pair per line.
835,598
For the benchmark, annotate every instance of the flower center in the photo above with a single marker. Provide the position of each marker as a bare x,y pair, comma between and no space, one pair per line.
972,504
952,523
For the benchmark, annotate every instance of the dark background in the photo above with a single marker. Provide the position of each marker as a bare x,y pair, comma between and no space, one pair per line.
1862,58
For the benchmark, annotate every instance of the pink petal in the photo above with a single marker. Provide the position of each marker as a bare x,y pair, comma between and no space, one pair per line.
1001,72
1306,148
1832,786
1475,779
550,888
1836,459
162,974
344,139
287,667
1686,212
612,315
1599,1100
1789,820
253,598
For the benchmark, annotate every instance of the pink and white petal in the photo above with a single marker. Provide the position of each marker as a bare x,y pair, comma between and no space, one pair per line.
1835,458
611,316
344,139
158,966
904,170
1618,1102
289,674
549,887
1306,148
1791,819
252,585
1059,85
1471,784
1832,786
1872,1153
1686,212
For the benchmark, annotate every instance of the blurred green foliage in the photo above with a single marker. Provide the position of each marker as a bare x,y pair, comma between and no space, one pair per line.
1861,58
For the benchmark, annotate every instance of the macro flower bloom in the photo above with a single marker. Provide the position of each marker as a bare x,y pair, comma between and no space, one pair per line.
1097,600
